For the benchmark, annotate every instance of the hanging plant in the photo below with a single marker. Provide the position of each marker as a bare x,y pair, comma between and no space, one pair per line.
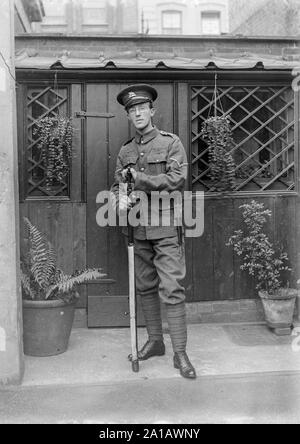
218,135
55,143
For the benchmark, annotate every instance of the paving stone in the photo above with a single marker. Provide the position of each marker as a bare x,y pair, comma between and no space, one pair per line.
247,316
226,306
216,317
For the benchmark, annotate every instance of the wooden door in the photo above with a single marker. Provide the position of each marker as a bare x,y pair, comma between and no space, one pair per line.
108,302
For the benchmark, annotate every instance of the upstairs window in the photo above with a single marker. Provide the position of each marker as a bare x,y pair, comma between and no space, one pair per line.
93,16
211,22
76,16
171,22
55,19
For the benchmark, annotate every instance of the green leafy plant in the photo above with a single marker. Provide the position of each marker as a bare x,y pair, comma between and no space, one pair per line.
41,278
216,131
55,136
259,257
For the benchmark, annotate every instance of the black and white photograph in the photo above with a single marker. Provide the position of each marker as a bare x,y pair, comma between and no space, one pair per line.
149,215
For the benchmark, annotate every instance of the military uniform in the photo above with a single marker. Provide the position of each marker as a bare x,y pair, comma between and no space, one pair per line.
159,159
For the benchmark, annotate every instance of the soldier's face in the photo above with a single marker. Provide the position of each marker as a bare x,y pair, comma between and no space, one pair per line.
141,116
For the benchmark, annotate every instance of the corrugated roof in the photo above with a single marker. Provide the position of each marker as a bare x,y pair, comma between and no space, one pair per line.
30,58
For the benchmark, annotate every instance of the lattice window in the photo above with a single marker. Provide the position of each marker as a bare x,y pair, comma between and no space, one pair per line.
262,120
42,102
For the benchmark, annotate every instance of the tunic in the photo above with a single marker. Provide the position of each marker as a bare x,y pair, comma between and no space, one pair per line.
161,164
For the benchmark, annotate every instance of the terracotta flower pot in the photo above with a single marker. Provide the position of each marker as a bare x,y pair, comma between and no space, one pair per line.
47,326
279,307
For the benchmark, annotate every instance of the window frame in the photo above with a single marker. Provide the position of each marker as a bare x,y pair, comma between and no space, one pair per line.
172,11
73,99
296,127
218,13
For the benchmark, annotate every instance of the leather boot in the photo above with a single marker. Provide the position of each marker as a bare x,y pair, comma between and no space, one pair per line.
155,345
151,348
177,325
182,362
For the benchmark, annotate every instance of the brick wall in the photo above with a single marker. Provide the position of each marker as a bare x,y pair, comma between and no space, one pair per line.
241,10
262,17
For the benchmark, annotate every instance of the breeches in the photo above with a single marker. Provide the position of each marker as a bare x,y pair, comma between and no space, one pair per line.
159,267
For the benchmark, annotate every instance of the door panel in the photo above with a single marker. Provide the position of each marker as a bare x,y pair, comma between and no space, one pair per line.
106,247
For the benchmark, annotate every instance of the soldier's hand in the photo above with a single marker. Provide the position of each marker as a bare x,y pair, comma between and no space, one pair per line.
124,174
134,173
125,171
124,203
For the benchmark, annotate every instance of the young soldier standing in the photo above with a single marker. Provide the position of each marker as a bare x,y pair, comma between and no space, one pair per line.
157,162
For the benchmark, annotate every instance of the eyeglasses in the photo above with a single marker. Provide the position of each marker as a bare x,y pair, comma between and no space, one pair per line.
142,108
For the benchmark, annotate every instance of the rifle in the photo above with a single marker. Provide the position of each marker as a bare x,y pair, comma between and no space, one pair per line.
132,295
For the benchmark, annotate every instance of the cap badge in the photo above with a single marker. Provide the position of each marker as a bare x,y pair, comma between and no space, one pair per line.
131,95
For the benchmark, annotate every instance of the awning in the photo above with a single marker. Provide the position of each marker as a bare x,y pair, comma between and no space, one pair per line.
31,59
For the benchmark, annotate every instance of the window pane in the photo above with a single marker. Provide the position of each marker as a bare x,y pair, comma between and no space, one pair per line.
210,22
94,16
55,11
43,102
171,22
171,19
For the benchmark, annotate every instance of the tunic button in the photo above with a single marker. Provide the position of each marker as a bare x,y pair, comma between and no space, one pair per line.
142,154
142,142
142,169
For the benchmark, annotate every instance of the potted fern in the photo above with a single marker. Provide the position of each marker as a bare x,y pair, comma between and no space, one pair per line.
268,266
49,297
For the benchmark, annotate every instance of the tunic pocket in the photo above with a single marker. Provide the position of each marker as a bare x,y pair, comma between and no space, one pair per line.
157,163
130,160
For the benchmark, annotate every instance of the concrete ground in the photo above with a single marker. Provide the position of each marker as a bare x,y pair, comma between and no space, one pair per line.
246,374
